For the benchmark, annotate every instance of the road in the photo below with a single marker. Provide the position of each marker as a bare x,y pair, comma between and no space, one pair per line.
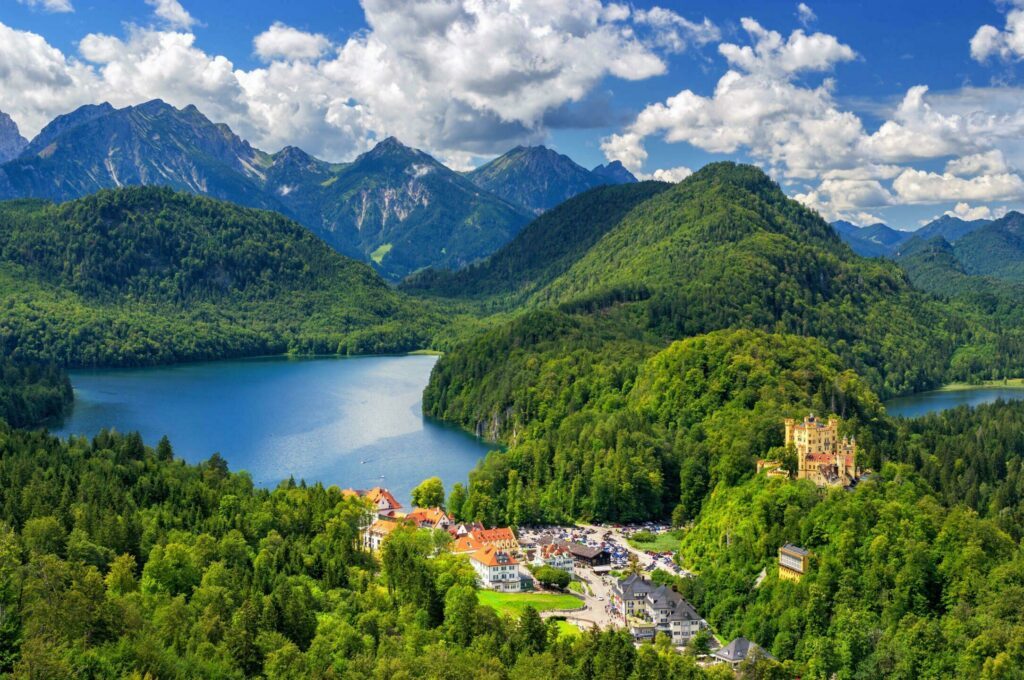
620,539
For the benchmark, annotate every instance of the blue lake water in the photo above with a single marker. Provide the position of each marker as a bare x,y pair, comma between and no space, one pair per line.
354,422
929,402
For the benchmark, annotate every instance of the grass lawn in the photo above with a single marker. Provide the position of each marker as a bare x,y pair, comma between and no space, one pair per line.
514,603
567,629
1009,382
664,542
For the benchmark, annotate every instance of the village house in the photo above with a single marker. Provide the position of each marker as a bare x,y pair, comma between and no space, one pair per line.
502,538
648,609
629,595
738,651
823,456
793,562
588,556
380,499
498,569
430,518
554,556
376,532
463,528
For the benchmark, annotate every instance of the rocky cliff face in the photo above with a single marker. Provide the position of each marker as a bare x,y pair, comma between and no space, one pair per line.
11,141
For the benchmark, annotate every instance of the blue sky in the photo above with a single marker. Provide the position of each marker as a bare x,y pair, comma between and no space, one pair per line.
819,109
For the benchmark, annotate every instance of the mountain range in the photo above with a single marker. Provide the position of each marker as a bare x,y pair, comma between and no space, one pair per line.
395,207
881,240
540,179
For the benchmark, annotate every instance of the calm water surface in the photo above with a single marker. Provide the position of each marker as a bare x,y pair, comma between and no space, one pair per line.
930,402
352,422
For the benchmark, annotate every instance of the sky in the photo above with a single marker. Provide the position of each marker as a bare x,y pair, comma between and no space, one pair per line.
863,110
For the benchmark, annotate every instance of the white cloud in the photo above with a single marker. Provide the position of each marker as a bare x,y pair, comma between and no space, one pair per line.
1007,44
677,174
284,42
768,106
674,32
55,6
982,212
805,14
172,13
989,162
920,186
460,78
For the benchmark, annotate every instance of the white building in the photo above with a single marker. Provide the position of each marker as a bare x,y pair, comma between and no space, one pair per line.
497,570
554,556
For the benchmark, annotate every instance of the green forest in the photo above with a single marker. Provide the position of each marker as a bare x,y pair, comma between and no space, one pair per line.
144,275
635,351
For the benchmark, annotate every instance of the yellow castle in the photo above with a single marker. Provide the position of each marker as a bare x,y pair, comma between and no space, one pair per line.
822,456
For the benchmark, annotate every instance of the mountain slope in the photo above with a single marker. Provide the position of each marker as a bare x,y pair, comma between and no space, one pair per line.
876,240
539,179
11,141
402,209
395,207
995,249
146,275
951,229
544,249
153,143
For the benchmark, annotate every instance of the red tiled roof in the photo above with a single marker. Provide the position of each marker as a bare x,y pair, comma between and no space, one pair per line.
493,557
378,493
433,516
494,535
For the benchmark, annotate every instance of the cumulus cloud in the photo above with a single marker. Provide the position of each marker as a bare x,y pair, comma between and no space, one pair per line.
460,78
989,162
920,186
769,105
1006,44
981,212
284,42
677,174
173,14
55,6
805,14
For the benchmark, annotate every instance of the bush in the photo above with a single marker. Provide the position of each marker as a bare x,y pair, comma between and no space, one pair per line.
644,537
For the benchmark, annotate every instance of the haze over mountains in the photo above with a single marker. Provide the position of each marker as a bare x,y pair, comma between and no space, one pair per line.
394,206
881,240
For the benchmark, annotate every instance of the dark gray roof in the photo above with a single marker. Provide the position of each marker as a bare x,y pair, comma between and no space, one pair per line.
664,597
739,649
584,551
789,547
632,586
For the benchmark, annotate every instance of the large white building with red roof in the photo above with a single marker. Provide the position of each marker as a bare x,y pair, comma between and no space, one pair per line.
498,569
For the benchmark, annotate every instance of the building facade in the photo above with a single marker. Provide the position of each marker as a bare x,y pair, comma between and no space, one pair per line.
793,562
647,610
497,570
823,456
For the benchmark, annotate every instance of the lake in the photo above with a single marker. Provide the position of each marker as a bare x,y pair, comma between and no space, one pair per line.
940,400
354,422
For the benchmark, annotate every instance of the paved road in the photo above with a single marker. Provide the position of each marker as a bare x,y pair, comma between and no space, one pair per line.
620,539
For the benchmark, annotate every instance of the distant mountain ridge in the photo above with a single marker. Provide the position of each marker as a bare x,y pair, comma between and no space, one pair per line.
539,178
395,207
881,240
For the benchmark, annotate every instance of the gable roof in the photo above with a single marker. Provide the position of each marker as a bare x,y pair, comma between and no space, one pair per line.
383,526
432,516
498,535
739,649
493,557
632,586
466,544
584,551
378,494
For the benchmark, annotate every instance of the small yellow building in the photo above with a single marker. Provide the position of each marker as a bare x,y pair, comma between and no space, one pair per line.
793,562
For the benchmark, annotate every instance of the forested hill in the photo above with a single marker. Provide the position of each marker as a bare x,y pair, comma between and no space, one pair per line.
722,251
544,249
144,275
